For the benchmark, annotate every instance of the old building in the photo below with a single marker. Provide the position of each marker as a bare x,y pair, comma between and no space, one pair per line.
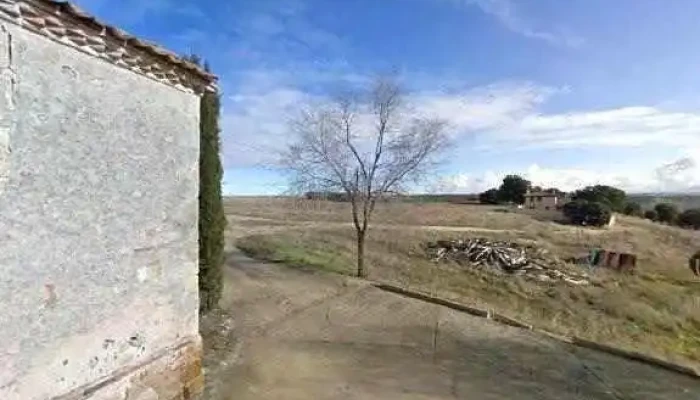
545,199
99,149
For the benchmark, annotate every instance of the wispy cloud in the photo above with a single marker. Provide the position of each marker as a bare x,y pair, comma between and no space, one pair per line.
487,107
636,126
508,115
281,32
508,14
256,126
255,119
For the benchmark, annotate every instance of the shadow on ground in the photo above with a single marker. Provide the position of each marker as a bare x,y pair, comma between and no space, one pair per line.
289,334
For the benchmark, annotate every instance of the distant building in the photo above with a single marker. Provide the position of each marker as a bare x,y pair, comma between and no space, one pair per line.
551,199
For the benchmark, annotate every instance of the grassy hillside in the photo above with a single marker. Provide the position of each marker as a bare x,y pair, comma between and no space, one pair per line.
657,310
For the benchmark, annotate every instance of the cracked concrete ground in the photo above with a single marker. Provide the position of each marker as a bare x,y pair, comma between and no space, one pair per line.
303,335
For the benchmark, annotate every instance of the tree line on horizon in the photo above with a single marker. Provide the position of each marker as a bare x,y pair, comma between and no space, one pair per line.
593,205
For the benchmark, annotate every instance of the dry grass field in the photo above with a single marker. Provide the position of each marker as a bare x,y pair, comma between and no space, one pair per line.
656,310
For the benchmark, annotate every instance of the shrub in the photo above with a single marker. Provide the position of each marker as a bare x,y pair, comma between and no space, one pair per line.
633,208
613,197
666,212
651,215
513,189
587,213
690,218
489,197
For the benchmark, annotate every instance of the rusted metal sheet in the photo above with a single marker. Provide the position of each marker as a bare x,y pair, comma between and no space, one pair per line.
694,264
622,262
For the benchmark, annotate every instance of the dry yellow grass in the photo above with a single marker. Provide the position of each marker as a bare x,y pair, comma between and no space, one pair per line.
656,310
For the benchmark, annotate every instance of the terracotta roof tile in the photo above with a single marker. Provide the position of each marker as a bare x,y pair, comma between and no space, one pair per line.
49,17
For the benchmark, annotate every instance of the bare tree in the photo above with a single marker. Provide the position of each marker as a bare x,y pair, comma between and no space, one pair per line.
365,147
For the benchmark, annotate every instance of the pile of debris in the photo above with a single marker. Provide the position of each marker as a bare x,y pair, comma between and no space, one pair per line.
509,257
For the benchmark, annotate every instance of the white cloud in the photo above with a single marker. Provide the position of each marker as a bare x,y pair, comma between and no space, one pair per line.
507,116
620,127
681,175
254,131
493,118
255,119
484,108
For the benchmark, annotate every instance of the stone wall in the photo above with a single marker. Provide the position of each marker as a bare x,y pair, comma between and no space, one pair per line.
98,228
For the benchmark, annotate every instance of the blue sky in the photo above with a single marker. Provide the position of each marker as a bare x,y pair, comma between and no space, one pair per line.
567,93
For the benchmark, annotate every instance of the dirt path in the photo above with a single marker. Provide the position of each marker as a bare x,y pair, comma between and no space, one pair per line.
282,224
300,335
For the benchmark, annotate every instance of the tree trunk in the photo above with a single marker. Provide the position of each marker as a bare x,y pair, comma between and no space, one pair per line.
361,272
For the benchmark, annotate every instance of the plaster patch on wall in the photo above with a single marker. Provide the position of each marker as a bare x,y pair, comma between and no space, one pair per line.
118,341
8,88
142,274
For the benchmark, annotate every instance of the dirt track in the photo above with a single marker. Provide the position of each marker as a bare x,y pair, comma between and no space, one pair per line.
326,224
299,335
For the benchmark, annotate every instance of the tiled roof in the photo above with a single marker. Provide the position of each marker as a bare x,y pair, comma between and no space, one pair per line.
68,24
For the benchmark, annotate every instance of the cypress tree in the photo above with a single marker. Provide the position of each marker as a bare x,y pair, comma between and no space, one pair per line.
212,220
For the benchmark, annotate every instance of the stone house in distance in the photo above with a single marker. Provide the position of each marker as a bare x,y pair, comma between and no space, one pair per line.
99,153
545,200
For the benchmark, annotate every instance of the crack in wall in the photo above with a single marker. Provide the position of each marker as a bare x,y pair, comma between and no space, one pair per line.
8,91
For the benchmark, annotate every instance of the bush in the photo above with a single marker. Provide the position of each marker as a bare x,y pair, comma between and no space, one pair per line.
613,197
513,189
651,215
587,213
690,218
634,209
666,212
489,197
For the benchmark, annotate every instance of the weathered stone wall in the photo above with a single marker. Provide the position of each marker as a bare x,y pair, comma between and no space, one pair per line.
98,228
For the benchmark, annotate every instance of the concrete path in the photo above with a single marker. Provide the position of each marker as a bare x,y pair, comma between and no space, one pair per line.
303,335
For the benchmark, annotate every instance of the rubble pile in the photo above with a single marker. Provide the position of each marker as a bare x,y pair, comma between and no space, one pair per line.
505,257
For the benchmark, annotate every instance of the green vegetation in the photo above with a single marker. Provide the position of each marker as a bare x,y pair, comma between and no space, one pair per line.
587,213
612,197
513,189
690,218
666,212
633,209
654,310
319,255
651,215
212,220
490,196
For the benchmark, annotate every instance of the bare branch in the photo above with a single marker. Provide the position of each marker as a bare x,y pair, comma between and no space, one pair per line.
336,150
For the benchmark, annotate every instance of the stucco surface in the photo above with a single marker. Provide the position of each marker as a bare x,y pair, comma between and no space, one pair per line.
98,217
